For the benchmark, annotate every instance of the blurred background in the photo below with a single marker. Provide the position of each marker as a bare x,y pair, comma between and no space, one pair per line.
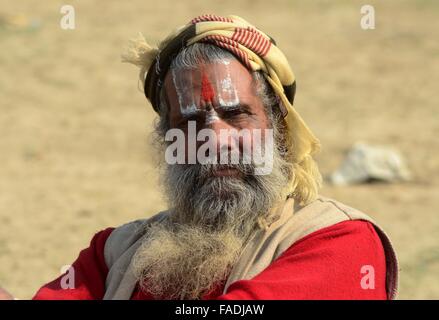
75,154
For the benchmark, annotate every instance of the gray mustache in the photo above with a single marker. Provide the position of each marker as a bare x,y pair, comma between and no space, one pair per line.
209,169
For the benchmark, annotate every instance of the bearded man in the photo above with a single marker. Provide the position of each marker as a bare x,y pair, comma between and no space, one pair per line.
231,233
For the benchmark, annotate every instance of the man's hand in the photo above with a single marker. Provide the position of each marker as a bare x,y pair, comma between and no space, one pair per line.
4,295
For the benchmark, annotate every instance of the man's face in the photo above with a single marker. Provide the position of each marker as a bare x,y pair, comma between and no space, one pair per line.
218,96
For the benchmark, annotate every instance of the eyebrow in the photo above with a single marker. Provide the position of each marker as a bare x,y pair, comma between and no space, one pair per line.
239,106
222,109
192,114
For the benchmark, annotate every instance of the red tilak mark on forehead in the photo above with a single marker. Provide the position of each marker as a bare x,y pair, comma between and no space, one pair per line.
207,92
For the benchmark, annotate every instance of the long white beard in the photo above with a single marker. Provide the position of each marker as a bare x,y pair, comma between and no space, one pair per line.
184,262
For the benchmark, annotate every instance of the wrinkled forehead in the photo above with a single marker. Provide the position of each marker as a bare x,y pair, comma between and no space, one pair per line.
223,83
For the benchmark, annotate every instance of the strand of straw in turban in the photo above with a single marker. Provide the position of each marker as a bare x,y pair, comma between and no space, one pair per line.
258,52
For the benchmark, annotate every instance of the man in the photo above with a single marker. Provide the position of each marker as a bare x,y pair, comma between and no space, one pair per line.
253,228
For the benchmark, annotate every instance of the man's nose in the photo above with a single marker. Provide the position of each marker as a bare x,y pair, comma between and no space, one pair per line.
220,131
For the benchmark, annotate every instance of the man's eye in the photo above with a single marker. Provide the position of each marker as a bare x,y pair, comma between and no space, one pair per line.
195,117
236,113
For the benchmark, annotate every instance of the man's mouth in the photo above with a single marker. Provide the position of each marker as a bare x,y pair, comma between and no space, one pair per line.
226,172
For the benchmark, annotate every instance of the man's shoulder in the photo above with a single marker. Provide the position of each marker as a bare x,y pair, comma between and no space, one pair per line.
326,206
319,214
326,212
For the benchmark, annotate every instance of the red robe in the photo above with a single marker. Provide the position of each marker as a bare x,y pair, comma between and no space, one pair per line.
326,264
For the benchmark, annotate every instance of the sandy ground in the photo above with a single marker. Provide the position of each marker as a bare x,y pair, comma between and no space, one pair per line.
74,149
